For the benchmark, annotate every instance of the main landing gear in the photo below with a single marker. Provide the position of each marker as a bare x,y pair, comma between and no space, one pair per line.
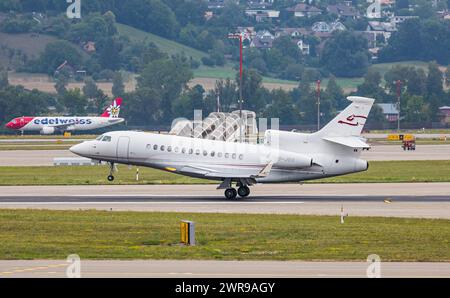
232,193
243,192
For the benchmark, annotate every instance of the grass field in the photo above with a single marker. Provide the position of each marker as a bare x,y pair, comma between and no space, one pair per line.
379,171
168,46
141,235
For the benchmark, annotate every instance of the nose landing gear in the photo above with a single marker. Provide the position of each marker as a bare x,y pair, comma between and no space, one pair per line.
111,172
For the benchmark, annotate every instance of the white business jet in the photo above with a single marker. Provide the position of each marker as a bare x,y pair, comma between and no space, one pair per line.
284,156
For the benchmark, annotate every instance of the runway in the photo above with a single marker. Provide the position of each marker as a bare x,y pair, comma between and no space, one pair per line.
418,200
378,152
218,269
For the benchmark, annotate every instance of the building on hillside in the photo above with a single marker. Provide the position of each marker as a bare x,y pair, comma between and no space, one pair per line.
344,11
263,40
444,113
304,10
390,111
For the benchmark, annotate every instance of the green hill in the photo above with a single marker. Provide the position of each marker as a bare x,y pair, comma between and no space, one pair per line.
166,45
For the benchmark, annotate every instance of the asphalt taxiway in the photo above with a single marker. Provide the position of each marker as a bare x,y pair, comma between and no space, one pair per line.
222,269
419,200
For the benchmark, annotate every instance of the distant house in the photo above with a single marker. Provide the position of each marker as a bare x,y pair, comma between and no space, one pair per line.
390,111
262,15
444,113
65,67
304,10
397,20
383,28
292,32
344,11
89,47
263,40
328,27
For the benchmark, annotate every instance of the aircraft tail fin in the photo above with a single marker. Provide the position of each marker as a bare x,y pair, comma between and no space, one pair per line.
351,121
113,110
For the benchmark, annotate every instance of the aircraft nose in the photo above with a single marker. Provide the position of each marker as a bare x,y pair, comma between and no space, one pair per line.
80,149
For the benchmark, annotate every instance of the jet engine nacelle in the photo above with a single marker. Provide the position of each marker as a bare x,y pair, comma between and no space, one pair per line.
290,160
47,130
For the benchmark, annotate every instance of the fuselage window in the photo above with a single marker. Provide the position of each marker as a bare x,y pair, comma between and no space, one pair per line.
234,156
241,156
191,151
205,153
177,150
227,155
155,147
197,152
149,146
183,150
163,148
169,149
219,154
213,153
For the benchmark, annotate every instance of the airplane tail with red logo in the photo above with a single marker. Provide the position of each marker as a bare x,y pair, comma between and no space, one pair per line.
113,110
351,121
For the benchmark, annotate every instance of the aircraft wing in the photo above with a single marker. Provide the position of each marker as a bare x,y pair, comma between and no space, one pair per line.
352,142
228,172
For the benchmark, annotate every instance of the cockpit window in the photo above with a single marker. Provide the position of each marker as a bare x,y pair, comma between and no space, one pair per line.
106,139
99,138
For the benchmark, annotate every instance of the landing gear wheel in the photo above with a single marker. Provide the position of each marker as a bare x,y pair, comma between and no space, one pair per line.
244,191
231,193
110,178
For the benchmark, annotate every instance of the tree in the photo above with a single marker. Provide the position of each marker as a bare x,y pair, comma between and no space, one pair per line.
416,110
282,107
435,91
346,54
74,102
55,54
62,80
118,88
192,99
167,78
371,87
335,93
251,84
90,89
4,82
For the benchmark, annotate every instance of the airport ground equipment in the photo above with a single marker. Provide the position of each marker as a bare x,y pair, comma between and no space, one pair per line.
187,229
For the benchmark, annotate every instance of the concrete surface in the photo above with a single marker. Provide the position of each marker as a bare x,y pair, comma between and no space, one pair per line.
218,269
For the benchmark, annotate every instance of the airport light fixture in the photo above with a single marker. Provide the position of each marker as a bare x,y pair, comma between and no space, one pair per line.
399,91
239,36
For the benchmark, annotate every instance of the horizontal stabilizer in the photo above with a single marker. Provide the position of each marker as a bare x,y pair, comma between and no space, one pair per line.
352,142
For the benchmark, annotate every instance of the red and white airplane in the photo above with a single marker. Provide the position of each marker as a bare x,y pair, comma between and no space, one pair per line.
50,125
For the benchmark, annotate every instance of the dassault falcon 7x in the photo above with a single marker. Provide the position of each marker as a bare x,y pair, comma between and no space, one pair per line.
283,157
50,125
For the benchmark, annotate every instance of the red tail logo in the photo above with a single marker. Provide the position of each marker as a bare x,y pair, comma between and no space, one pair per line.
114,109
351,120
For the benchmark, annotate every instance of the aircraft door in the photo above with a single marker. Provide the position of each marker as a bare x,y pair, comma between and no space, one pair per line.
123,146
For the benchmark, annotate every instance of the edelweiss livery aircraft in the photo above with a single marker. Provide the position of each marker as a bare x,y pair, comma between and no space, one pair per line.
284,156
50,125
